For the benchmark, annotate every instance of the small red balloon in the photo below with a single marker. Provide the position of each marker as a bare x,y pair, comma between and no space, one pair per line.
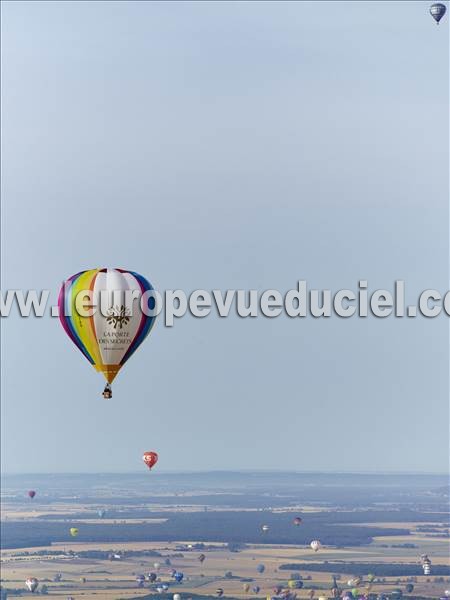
150,459
32,493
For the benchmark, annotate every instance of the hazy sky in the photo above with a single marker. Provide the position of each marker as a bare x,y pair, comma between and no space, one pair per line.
228,145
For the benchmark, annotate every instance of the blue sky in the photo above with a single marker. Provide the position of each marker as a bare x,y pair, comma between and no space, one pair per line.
228,145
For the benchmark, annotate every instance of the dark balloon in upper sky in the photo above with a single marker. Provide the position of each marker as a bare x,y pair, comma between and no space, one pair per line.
437,11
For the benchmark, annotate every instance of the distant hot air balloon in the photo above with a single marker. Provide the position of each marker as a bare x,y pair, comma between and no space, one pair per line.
31,494
101,513
107,313
219,592
178,576
437,11
255,589
260,568
315,545
201,558
409,588
152,577
176,597
297,521
265,528
150,459
165,587
32,584
73,531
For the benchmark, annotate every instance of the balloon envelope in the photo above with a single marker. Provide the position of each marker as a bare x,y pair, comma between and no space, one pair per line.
101,312
32,584
73,531
437,11
150,459
31,493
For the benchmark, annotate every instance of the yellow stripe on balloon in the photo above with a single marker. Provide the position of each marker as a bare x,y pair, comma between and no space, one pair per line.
83,325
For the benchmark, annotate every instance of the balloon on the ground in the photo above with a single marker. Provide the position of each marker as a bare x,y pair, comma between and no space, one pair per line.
101,312
32,584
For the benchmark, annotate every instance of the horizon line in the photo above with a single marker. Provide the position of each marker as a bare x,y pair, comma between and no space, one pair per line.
229,471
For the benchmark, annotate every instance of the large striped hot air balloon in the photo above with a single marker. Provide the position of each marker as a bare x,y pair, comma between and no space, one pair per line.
107,313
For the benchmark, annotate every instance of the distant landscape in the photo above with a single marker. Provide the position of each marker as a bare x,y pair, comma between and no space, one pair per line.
366,524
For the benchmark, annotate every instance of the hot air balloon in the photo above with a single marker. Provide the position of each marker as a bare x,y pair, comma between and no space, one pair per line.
246,587
265,528
165,587
260,568
409,588
219,592
156,565
101,513
277,590
73,531
32,584
255,589
447,593
31,494
150,459
176,597
297,521
178,576
437,11
201,558
315,545
107,313
152,577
